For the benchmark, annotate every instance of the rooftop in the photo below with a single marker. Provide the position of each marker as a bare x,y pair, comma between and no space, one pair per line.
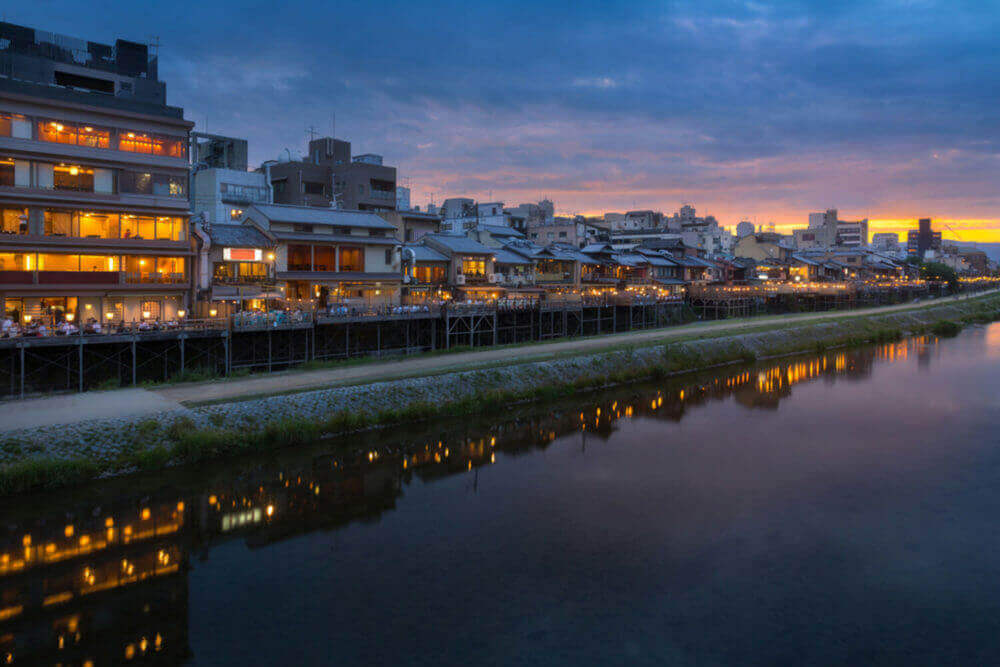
314,215
238,236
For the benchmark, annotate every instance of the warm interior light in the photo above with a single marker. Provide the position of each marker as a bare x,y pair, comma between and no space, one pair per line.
74,171
213,312
87,306
145,314
27,318
142,262
109,315
270,256
70,317
181,313
88,129
131,135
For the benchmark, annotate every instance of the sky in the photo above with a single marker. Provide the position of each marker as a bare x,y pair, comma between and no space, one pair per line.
747,110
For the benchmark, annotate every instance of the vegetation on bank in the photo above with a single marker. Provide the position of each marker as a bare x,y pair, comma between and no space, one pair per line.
184,442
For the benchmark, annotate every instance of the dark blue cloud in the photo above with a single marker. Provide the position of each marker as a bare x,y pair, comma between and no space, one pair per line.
745,107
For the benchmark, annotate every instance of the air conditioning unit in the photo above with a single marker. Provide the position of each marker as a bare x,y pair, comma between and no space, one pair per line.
460,279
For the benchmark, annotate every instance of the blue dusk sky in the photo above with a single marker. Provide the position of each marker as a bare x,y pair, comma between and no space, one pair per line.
766,111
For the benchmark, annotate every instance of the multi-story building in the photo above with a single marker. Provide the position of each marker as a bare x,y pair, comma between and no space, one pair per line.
93,182
923,239
221,187
325,255
827,230
886,242
331,177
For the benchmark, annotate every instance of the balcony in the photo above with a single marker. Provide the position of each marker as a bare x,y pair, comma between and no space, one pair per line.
556,277
89,278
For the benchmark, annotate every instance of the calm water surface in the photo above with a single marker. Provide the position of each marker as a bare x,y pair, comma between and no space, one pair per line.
826,510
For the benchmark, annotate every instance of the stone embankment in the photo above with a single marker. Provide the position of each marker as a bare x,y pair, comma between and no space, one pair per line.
70,453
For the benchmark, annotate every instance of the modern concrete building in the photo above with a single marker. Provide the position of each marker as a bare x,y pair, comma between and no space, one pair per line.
330,177
93,182
923,239
826,230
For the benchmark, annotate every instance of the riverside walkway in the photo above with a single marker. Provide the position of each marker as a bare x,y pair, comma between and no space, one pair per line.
49,410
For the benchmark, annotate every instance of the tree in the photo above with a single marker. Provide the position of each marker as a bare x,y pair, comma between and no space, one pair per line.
939,272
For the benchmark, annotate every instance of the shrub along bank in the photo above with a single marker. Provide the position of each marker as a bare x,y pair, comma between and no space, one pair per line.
66,454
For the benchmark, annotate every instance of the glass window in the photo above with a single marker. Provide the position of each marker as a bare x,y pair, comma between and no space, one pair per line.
7,172
138,227
352,259
473,267
99,225
60,223
324,258
72,177
99,263
17,261
170,229
253,270
138,269
223,271
299,258
151,144
135,182
14,221
70,133
54,262
5,125
171,269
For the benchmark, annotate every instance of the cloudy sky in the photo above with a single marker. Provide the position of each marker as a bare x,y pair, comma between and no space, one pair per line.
748,110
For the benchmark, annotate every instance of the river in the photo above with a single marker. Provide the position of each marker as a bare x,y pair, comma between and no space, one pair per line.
832,509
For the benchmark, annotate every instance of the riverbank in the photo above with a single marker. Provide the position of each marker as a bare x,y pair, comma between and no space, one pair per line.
60,454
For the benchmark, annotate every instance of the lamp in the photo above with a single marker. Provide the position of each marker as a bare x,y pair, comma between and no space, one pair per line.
145,314
213,312
27,318
109,315
181,313
70,317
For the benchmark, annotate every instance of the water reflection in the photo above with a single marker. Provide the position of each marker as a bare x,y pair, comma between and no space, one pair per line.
101,576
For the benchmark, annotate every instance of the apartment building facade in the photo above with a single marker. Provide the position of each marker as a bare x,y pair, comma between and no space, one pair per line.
93,183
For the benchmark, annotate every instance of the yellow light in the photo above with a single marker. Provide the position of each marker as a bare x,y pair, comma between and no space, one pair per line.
146,514
145,314
270,510
74,171
27,318
181,313
109,315
213,312
270,256
142,262
87,306
69,531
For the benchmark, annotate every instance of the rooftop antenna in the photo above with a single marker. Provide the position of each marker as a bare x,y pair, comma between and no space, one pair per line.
154,42
311,131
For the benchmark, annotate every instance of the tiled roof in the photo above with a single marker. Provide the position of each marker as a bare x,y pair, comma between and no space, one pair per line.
238,236
456,243
314,215
424,253
504,256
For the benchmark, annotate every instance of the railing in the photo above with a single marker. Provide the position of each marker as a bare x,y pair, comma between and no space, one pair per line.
558,277
278,319
88,278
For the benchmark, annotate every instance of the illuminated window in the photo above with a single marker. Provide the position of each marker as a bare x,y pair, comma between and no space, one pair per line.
17,261
352,259
13,221
72,177
235,213
60,223
474,267
151,144
99,263
54,262
7,172
99,225
77,134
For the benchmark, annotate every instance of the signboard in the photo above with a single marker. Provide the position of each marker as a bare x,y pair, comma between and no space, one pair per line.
242,254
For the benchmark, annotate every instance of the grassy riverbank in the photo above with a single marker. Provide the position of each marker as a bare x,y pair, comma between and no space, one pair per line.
112,447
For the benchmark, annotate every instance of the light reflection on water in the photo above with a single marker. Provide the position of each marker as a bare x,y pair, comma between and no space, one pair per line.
803,510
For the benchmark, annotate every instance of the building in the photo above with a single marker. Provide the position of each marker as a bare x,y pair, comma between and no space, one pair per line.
221,188
461,214
827,230
886,242
744,228
402,198
412,225
470,267
763,246
325,256
923,239
93,182
330,177
234,269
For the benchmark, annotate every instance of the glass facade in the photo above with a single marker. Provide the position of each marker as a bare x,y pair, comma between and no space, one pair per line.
97,224
13,221
74,134
82,134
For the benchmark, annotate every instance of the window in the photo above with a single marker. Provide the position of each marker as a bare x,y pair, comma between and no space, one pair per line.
388,256
60,223
6,125
77,135
171,229
138,227
241,193
99,225
7,172
53,262
562,235
145,183
474,267
352,259
279,186
429,274
324,258
13,221
299,258
235,213
17,261
151,144
409,234
99,263
304,229
312,188
72,177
